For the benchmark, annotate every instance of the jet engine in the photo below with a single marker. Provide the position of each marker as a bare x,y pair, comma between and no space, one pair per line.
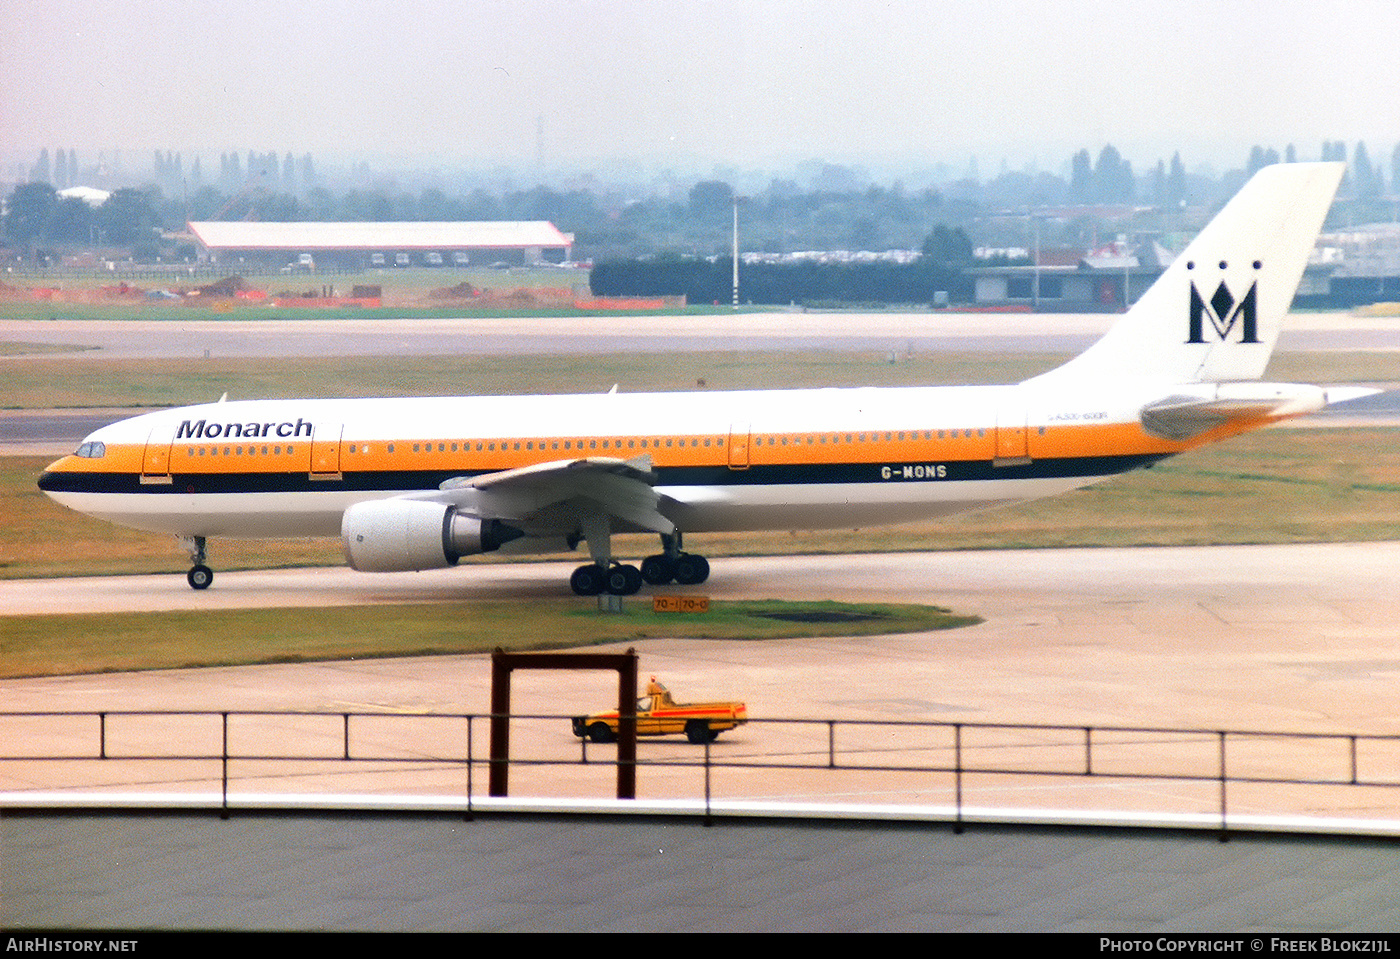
398,535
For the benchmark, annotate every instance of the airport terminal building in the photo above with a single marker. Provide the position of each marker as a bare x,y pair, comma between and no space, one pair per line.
357,246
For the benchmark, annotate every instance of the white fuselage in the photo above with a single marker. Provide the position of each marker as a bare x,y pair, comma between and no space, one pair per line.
788,459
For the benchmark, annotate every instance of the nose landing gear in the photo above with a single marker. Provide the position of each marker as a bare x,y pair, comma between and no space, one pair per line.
200,575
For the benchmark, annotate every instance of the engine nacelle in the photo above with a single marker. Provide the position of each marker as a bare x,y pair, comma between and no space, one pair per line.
399,535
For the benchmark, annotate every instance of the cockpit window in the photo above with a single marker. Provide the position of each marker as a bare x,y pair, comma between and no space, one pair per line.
92,450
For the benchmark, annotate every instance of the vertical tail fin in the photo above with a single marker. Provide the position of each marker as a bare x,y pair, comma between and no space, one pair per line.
1215,313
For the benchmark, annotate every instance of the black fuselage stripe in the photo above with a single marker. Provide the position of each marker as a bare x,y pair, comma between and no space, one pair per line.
395,481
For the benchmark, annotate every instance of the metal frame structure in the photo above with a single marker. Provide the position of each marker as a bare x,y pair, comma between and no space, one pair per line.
503,664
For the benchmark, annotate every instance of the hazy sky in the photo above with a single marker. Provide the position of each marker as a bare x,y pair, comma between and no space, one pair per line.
742,82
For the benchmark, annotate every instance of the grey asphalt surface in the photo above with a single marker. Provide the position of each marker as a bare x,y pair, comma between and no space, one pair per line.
572,874
178,337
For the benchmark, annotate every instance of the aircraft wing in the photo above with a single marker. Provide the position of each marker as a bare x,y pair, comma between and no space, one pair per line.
1199,409
591,487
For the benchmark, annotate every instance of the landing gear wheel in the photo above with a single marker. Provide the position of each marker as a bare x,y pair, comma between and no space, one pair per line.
623,580
699,732
600,733
658,570
588,580
200,577
692,570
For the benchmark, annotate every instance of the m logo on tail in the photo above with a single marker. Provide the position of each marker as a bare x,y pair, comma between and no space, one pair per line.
1224,313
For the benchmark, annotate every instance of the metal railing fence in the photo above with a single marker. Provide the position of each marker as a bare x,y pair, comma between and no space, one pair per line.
958,754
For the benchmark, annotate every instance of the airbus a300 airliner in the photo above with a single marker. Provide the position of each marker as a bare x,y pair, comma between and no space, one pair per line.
411,484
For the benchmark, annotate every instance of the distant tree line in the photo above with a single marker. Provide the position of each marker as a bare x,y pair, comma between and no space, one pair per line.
35,216
838,209
62,171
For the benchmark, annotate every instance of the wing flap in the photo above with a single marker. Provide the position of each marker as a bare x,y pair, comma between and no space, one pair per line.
595,485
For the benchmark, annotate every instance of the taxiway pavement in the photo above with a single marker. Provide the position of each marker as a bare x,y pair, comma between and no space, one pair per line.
1294,637
467,336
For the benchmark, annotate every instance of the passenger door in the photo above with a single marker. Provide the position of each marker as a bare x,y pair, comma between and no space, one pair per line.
325,451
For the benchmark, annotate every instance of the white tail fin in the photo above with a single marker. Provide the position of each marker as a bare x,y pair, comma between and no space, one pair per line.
1215,314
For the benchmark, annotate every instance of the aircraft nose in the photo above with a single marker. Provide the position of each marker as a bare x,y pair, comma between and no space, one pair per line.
55,479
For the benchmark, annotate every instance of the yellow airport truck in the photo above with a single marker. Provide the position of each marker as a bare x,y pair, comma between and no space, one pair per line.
658,714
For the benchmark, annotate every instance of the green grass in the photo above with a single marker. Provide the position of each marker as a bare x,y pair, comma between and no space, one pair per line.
65,645
91,380
38,377
11,348
181,313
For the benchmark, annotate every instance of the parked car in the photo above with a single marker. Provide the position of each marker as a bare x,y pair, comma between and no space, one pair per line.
305,263
658,714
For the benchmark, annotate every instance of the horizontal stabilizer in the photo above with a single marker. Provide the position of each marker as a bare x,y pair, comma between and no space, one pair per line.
1345,394
1199,409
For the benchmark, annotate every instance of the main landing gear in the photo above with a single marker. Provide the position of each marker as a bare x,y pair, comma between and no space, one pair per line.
200,575
671,566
